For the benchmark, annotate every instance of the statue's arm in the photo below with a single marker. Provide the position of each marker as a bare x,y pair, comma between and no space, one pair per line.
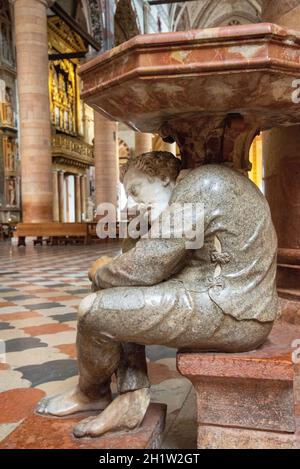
150,262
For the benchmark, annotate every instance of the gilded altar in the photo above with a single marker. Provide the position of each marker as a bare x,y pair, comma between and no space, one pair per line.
9,159
67,150
71,145
63,95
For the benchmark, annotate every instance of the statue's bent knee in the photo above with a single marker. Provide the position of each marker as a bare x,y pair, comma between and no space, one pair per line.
86,304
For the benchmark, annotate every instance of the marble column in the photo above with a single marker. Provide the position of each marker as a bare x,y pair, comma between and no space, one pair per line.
83,182
281,160
106,160
35,137
61,195
55,195
78,209
143,143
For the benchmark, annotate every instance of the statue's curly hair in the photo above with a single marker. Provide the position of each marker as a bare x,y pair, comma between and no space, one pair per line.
161,164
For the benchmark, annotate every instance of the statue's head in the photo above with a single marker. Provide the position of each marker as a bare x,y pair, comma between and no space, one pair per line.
149,180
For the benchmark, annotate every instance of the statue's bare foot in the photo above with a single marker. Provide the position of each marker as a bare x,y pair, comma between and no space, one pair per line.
71,402
126,412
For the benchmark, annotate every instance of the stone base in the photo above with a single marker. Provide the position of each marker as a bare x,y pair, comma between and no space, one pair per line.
246,400
215,437
288,274
38,432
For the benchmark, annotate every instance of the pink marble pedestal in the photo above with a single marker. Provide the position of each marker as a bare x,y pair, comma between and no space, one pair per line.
246,400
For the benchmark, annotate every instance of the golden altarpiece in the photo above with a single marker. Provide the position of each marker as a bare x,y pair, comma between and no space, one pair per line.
72,152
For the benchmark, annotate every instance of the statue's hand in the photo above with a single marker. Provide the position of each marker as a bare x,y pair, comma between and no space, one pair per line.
96,266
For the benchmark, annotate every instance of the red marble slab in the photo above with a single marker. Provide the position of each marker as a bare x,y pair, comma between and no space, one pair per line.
216,437
17,404
152,79
38,432
47,329
271,361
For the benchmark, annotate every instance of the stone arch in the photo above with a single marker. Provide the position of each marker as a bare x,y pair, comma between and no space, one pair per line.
213,13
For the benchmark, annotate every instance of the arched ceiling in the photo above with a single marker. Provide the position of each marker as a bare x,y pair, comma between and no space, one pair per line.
211,13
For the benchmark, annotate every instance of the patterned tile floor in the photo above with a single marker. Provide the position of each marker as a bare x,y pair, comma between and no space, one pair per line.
40,288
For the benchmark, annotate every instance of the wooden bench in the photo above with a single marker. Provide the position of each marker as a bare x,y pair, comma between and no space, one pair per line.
58,232
55,231
247,400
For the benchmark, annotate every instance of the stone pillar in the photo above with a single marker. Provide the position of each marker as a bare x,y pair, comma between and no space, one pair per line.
143,143
78,210
61,195
281,160
55,195
83,182
106,160
229,414
35,137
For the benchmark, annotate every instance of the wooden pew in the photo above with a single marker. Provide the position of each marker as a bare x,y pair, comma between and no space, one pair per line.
52,230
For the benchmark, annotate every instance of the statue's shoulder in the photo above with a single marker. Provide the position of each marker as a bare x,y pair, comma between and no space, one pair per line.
215,182
209,174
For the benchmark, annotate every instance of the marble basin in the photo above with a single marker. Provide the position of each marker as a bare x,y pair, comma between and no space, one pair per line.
185,84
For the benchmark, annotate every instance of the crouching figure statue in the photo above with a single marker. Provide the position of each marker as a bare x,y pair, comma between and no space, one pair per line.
220,296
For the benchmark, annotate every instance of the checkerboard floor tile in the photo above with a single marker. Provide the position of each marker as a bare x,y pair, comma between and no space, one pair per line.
40,289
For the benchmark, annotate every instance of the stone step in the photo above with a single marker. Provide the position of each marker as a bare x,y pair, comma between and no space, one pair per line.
289,293
39,432
288,281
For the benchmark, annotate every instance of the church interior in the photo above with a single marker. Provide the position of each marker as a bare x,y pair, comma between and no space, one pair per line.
60,159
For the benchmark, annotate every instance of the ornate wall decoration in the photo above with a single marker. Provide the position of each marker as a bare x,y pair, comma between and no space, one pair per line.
6,44
11,191
96,21
9,154
126,25
62,90
7,114
64,96
71,151
62,38
9,178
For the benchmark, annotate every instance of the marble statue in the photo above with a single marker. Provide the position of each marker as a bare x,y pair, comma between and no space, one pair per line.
220,297
11,189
